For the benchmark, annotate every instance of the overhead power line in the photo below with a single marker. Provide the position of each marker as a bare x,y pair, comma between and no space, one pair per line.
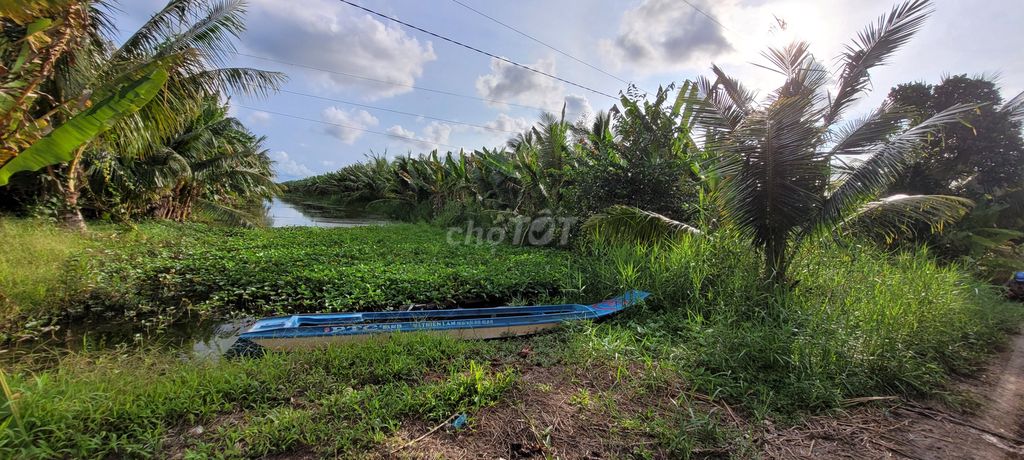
288,115
411,114
712,18
535,39
456,42
387,82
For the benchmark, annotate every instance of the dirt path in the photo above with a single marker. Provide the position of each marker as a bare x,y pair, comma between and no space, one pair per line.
909,430
1003,413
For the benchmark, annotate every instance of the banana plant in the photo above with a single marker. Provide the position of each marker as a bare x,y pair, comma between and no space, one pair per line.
60,144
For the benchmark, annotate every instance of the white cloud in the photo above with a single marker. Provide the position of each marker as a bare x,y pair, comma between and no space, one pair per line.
433,136
287,168
399,131
260,117
506,123
516,84
353,122
660,35
577,107
437,132
329,35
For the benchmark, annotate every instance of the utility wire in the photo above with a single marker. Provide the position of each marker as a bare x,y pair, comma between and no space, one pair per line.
288,115
712,18
456,42
361,77
563,53
373,107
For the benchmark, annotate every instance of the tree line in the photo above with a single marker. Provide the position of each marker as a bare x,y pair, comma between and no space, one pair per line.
940,163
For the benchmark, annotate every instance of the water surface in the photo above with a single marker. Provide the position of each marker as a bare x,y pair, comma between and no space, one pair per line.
308,214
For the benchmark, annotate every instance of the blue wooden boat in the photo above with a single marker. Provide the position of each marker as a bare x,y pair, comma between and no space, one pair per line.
317,330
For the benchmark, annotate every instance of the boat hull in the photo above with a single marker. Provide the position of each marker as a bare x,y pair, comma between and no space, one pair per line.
304,332
482,333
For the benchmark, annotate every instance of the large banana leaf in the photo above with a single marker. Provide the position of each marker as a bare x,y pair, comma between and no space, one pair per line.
59,145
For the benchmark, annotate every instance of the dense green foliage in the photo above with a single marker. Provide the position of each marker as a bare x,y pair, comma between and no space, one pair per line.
983,156
164,271
304,269
33,277
771,191
981,159
60,145
214,166
64,61
789,168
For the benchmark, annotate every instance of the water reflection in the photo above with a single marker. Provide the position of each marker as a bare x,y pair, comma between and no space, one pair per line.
303,214
197,339
219,339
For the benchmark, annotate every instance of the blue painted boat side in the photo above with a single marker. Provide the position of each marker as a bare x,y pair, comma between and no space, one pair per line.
313,325
414,326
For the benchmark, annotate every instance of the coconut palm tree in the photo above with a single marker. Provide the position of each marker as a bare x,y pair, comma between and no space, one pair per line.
791,167
189,39
214,166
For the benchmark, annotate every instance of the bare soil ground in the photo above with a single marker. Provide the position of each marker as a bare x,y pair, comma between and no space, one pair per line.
549,419
555,413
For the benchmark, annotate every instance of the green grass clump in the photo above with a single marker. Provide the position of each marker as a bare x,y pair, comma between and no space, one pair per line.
859,322
34,266
336,402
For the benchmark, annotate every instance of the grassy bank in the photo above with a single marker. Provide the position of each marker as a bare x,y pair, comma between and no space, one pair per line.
341,401
860,322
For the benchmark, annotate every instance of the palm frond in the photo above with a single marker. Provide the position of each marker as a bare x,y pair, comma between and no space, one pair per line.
217,211
1014,107
155,31
239,80
774,174
903,215
859,136
714,106
626,224
741,97
873,46
886,163
211,35
804,74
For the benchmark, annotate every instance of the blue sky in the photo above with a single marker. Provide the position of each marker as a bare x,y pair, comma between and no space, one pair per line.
649,42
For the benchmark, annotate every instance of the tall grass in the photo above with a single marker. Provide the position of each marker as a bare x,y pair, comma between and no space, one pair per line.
859,322
34,265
